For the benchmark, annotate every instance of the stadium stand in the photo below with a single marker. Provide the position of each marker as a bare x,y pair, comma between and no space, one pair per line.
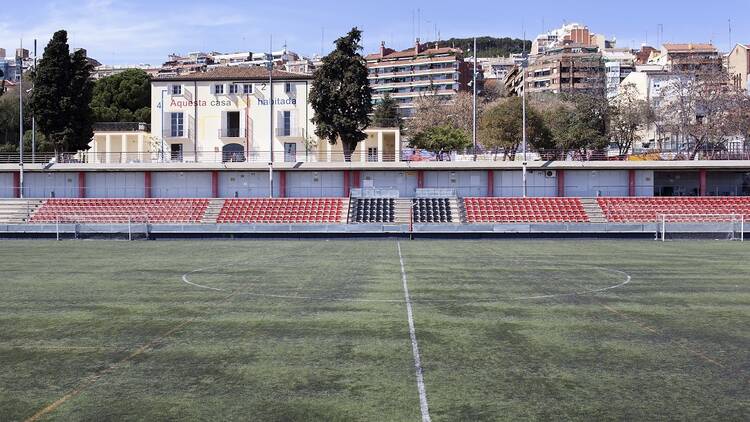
647,209
373,210
524,210
120,210
282,211
432,210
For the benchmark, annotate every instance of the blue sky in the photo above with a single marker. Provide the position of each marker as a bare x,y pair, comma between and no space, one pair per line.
141,31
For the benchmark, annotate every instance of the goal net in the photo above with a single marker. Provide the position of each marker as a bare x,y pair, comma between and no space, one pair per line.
700,226
117,225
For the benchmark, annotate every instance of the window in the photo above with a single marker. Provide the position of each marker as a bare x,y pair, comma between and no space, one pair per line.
218,89
286,123
177,125
176,89
288,87
247,89
234,88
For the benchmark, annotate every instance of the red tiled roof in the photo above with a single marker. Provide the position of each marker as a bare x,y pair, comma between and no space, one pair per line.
234,73
409,52
690,48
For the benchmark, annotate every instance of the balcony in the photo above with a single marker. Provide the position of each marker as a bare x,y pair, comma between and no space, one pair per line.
233,132
290,132
121,127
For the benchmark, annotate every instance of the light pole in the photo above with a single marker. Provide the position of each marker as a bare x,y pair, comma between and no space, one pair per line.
19,68
474,101
270,111
33,118
163,107
523,112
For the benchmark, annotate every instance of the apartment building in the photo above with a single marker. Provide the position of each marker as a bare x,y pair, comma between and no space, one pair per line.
574,33
568,68
618,64
688,58
419,71
738,64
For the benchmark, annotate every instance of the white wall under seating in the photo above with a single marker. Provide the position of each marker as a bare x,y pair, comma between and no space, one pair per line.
51,184
228,183
115,185
181,184
404,181
300,184
246,184
6,185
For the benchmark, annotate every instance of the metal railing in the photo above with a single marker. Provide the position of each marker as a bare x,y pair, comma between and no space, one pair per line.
122,127
358,156
290,132
232,132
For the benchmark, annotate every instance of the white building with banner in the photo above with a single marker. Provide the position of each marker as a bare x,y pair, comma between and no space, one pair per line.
232,114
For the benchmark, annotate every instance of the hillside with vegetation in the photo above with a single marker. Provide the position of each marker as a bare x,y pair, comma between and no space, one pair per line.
487,46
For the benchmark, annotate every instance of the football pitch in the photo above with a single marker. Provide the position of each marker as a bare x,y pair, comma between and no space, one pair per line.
380,330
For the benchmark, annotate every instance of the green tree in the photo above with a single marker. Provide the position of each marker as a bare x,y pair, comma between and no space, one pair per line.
51,99
341,95
578,123
441,139
501,128
124,97
386,113
81,90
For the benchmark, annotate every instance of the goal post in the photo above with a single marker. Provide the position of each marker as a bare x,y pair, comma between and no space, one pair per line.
130,225
700,226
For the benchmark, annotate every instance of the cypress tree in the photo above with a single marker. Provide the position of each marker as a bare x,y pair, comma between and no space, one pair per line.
51,99
341,95
81,119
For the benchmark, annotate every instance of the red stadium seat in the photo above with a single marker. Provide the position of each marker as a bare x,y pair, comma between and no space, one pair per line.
282,210
92,210
524,210
639,210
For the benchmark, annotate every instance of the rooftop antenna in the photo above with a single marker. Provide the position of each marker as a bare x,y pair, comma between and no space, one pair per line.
731,47
419,23
413,32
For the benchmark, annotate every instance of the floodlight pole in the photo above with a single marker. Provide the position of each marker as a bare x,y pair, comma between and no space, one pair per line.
523,124
474,101
523,130
33,117
20,121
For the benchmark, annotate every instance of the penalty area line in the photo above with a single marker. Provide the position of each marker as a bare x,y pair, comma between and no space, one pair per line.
424,408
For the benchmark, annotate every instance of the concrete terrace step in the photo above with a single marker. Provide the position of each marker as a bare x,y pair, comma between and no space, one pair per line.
593,210
212,211
18,211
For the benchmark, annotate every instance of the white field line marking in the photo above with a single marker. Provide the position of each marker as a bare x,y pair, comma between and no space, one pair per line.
186,279
414,345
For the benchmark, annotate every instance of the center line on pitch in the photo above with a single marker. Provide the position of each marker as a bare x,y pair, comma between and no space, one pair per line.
414,345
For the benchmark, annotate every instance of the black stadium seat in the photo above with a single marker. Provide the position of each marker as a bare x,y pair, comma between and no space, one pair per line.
431,210
373,210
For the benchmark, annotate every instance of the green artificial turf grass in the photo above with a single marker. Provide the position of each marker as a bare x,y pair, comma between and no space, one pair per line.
317,330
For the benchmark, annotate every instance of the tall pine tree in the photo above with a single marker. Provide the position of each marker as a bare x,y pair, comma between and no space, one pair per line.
341,95
62,95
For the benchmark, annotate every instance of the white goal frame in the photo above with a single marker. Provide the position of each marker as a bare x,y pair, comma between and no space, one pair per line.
736,220
80,219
